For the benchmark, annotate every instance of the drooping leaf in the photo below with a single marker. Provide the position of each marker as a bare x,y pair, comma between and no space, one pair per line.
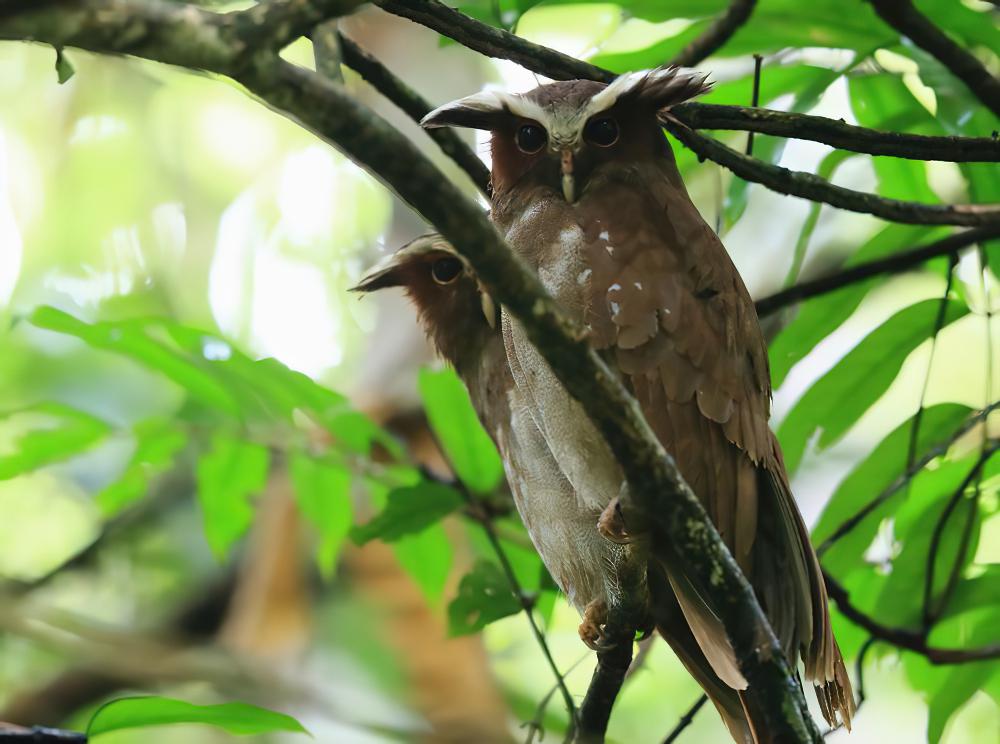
323,493
466,444
484,596
409,509
228,476
839,398
129,338
157,442
236,718
44,434
64,68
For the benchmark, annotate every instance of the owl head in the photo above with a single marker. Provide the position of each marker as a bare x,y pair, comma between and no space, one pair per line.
456,311
560,133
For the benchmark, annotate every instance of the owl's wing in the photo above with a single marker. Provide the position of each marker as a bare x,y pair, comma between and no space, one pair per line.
667,301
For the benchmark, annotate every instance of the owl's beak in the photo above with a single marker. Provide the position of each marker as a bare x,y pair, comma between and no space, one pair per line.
568,183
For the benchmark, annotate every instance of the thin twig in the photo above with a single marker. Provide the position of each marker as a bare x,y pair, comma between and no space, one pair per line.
931,613
963,64
894,264
686,720
853,521
716,35
902,638
758,60
482,517
413,105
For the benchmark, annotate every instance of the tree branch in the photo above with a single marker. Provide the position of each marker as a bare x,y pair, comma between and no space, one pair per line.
413,105
838,134
900,637
910,22
606,683
686,720
716,35
814,188
166,34
894,264
274,24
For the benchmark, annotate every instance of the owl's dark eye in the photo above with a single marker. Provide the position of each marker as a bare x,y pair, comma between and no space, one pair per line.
446,270
602,132
530,138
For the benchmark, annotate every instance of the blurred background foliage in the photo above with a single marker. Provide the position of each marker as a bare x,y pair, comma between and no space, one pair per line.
224,477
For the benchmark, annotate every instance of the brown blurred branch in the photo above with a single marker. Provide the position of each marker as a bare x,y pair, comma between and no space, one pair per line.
911,23
894,264
902,638
716,35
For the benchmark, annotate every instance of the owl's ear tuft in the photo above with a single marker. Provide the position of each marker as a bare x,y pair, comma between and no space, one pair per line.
660,88
480,111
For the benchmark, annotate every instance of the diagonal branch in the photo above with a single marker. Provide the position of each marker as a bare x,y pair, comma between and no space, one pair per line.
894,264
814,188
716,35
838,134
910,22
494,42
413,105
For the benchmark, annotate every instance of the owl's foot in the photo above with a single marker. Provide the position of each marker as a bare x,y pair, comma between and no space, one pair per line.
611,524
595,618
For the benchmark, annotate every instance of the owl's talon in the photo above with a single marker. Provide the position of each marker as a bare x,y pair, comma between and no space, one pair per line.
595,616
611,524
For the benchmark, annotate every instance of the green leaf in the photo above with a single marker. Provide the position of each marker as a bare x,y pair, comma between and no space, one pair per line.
44,434
64,69
409,509
427,557
882,467
323,493
839,398
228,475
157,443
484,596
827,166
901,591
466,444
236,718
130,339
822,315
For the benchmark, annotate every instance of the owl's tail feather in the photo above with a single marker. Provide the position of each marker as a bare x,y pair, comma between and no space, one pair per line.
673,626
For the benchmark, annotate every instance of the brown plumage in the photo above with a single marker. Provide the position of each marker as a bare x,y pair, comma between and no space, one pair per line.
586,189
